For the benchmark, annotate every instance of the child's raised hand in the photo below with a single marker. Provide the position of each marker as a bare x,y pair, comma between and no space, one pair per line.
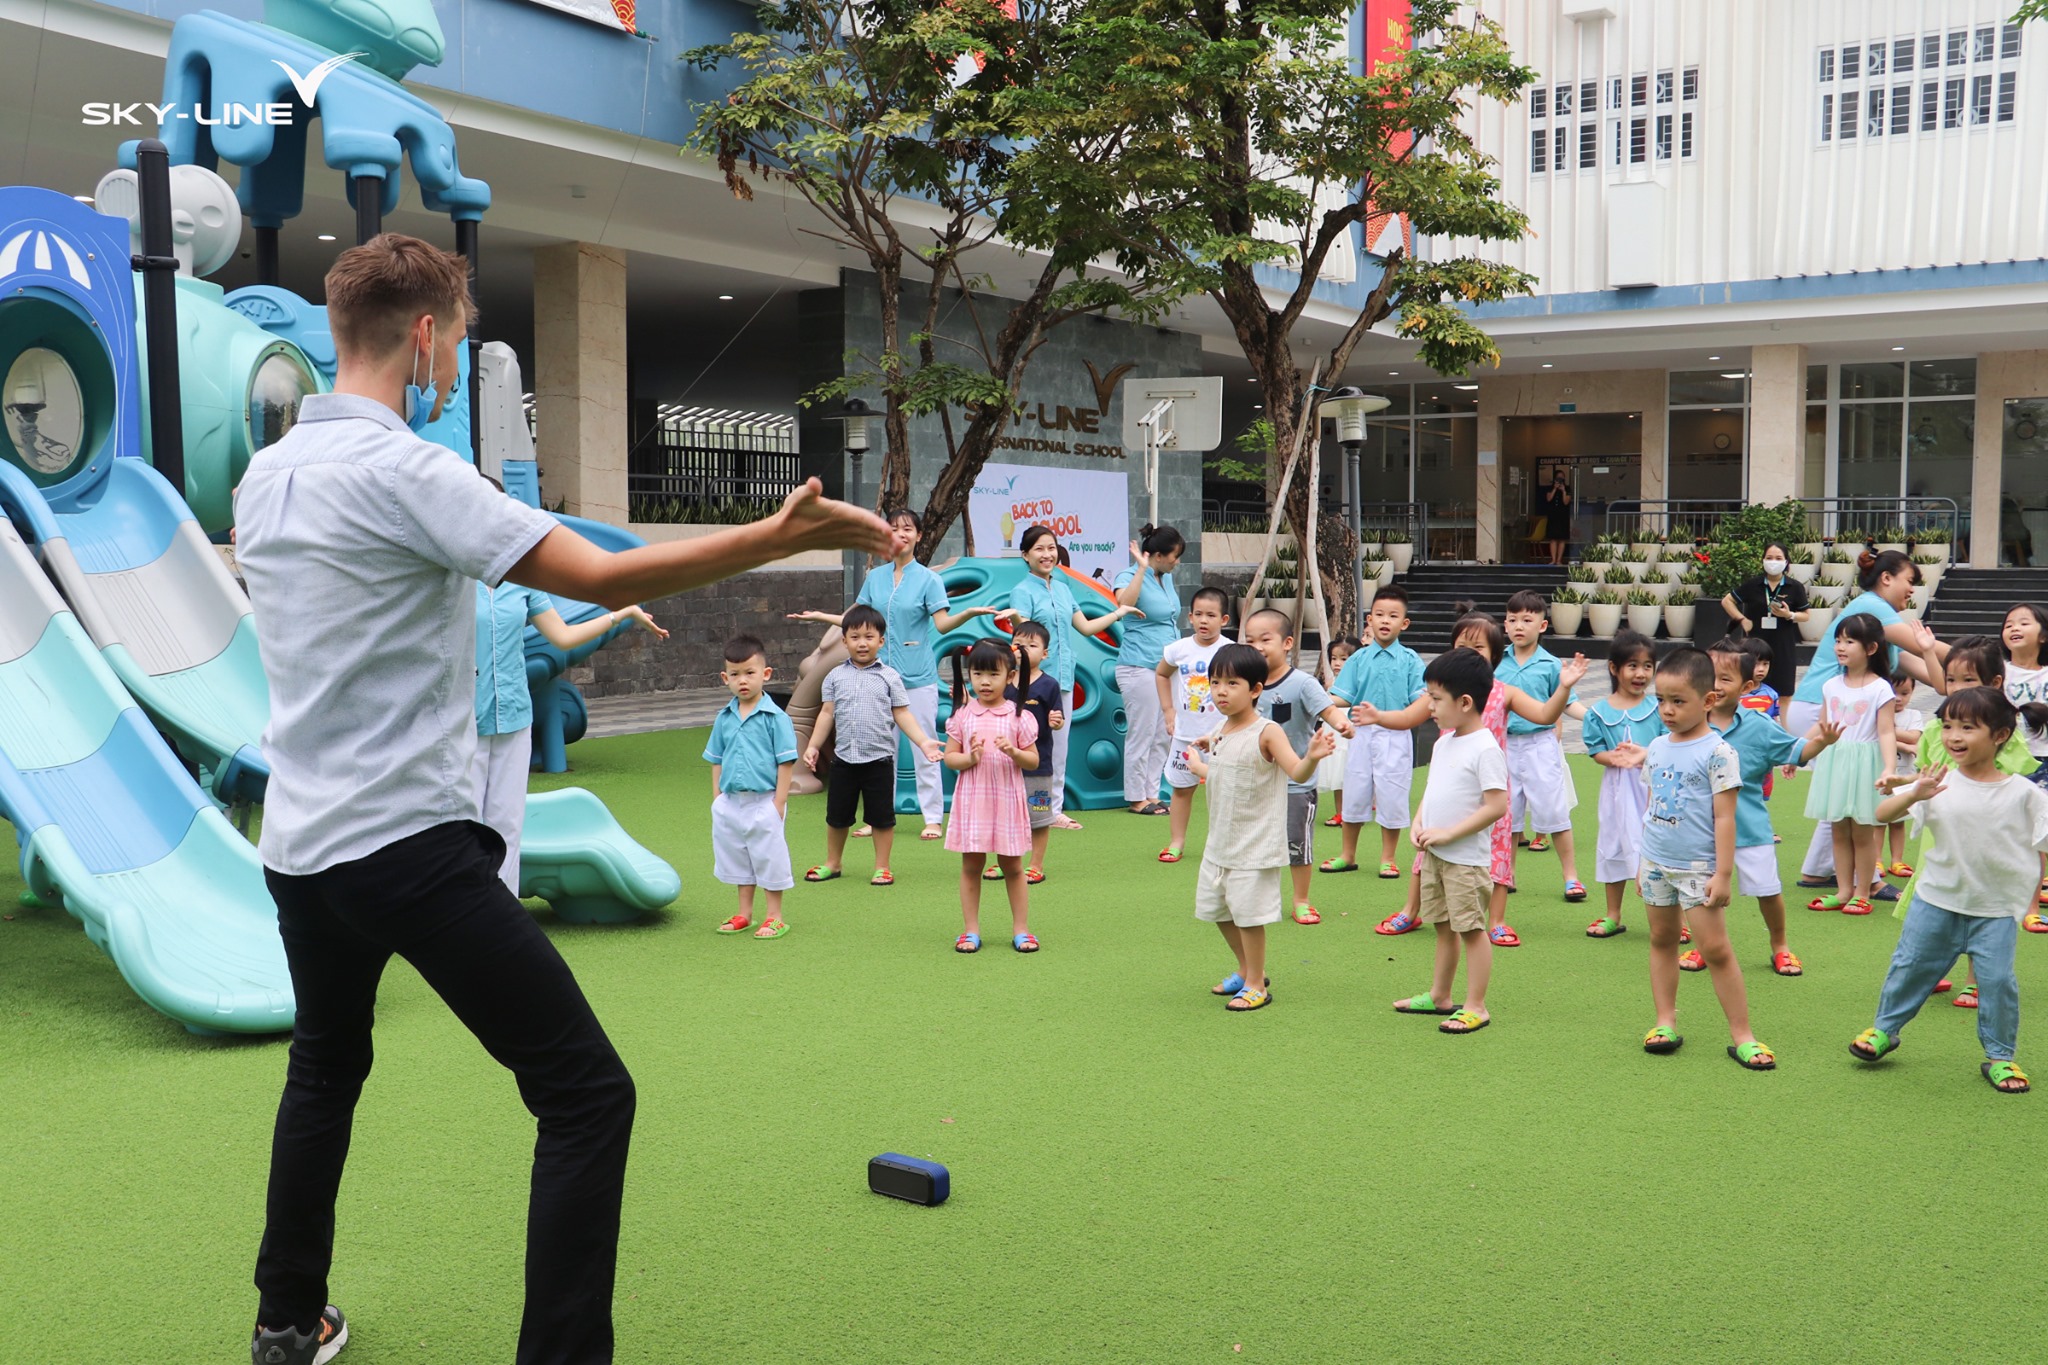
811,758
1629,754
1827,732
1931,783
1569,673
1203,742
972,752
1365,713
1891,782
1322,743
931,751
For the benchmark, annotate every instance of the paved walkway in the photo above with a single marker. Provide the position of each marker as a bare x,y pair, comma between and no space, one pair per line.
649,711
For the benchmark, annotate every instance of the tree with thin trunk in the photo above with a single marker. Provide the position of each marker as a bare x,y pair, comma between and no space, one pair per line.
1250,147
897,122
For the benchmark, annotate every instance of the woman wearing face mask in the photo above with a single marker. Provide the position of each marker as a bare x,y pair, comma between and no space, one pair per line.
1770,606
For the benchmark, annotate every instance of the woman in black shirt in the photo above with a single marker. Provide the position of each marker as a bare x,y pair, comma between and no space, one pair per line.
1557,515
1770,606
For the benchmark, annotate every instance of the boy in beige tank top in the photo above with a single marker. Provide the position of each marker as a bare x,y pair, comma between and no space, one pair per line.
1246,766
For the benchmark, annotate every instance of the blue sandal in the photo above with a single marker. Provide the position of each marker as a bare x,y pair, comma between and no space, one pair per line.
1025,943
967,943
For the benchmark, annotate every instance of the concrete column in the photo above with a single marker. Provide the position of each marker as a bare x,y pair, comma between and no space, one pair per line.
1777,422
579,342
2001,375
1486,497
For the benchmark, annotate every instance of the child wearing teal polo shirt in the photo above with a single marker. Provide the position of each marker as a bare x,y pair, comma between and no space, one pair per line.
1379,771
752,753
1539,784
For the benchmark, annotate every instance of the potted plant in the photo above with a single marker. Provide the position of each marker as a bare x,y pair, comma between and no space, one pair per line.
1603,613
1635,559
1672,564
1648,545
1583,573
1820,610
1800,564
1378,571
1938,541
1932,566
1681,535
1680,610
1816,548
1567,611
1620,577
1400,549
1659,586
1837,554
1600,554
1891,537
1645,611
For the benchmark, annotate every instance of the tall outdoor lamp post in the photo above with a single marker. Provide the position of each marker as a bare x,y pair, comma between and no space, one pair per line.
1350,406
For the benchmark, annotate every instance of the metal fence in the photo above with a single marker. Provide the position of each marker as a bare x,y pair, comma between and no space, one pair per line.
1853,518
1375,519
711,464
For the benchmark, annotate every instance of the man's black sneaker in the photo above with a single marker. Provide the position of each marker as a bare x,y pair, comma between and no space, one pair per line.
290,1346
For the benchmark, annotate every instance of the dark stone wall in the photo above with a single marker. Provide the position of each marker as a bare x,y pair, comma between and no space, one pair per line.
699,623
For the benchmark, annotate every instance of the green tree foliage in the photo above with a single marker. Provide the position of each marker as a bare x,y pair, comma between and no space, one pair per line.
1233,145
897,122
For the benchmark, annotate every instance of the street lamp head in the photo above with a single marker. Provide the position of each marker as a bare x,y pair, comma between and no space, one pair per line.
1350,406
855,414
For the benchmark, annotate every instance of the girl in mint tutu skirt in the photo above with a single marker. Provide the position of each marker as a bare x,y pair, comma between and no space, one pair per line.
1845,777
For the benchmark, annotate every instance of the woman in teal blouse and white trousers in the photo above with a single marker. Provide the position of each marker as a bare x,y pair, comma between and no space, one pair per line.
504,705
1148,586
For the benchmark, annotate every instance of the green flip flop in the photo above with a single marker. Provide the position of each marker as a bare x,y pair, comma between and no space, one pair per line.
1879,1044
1336,865
1422,1004
822,873
1998,1073
1607,926
1753,1056
1662,1041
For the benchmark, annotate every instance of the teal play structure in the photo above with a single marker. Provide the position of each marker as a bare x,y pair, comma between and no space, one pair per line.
132,700
1096,725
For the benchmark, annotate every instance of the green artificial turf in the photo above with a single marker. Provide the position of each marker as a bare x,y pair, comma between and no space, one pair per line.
1137,1175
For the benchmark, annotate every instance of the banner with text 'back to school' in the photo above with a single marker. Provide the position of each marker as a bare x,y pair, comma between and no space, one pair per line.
1089,510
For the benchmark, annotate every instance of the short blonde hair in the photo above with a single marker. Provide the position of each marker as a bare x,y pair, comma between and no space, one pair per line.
374,291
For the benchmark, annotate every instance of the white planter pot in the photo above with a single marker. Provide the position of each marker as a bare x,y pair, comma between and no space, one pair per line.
1930,575
1911,612
1816,624
1598,566
1678,620
1637,571
1605,619
1566,617
1946,550
1672,568
1804,573
1919,598
1618,589
1381,573
1816,548
1644,619
1401,556
1650,550
1898,545
1661,587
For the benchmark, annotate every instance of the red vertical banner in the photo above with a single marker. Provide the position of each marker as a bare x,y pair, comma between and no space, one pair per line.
1387,36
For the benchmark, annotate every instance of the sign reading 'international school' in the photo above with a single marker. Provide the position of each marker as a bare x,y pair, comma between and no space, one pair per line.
1054,420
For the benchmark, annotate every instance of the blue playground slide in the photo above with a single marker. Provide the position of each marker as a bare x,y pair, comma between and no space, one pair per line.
113,830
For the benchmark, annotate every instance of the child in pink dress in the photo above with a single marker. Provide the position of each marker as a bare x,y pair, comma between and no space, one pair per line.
1476,630
990,743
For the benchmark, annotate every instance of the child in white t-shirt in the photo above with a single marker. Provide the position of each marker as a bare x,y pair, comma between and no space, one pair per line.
1466,794
1978,876
1184,696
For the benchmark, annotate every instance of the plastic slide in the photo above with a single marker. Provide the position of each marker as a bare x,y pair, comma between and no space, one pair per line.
576,857
112,829
167,616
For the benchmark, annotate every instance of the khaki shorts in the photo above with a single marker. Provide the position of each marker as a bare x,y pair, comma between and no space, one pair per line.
1454,894
1246,897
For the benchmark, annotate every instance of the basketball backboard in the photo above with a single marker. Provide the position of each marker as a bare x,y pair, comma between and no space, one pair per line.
1194,422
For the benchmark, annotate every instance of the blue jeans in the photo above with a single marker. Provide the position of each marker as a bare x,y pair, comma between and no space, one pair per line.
1929,945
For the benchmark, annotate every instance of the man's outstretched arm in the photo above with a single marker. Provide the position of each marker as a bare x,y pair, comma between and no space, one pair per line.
567,564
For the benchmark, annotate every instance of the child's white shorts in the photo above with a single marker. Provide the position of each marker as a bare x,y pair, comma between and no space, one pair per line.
1379,773
1539,784
1179,775
1756,871
1684,887
1244,897
748,847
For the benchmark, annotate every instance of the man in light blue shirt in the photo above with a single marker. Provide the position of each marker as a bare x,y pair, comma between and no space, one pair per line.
1148,586
361,544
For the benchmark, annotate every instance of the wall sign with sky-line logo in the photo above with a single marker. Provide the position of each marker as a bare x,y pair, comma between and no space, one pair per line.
611,13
